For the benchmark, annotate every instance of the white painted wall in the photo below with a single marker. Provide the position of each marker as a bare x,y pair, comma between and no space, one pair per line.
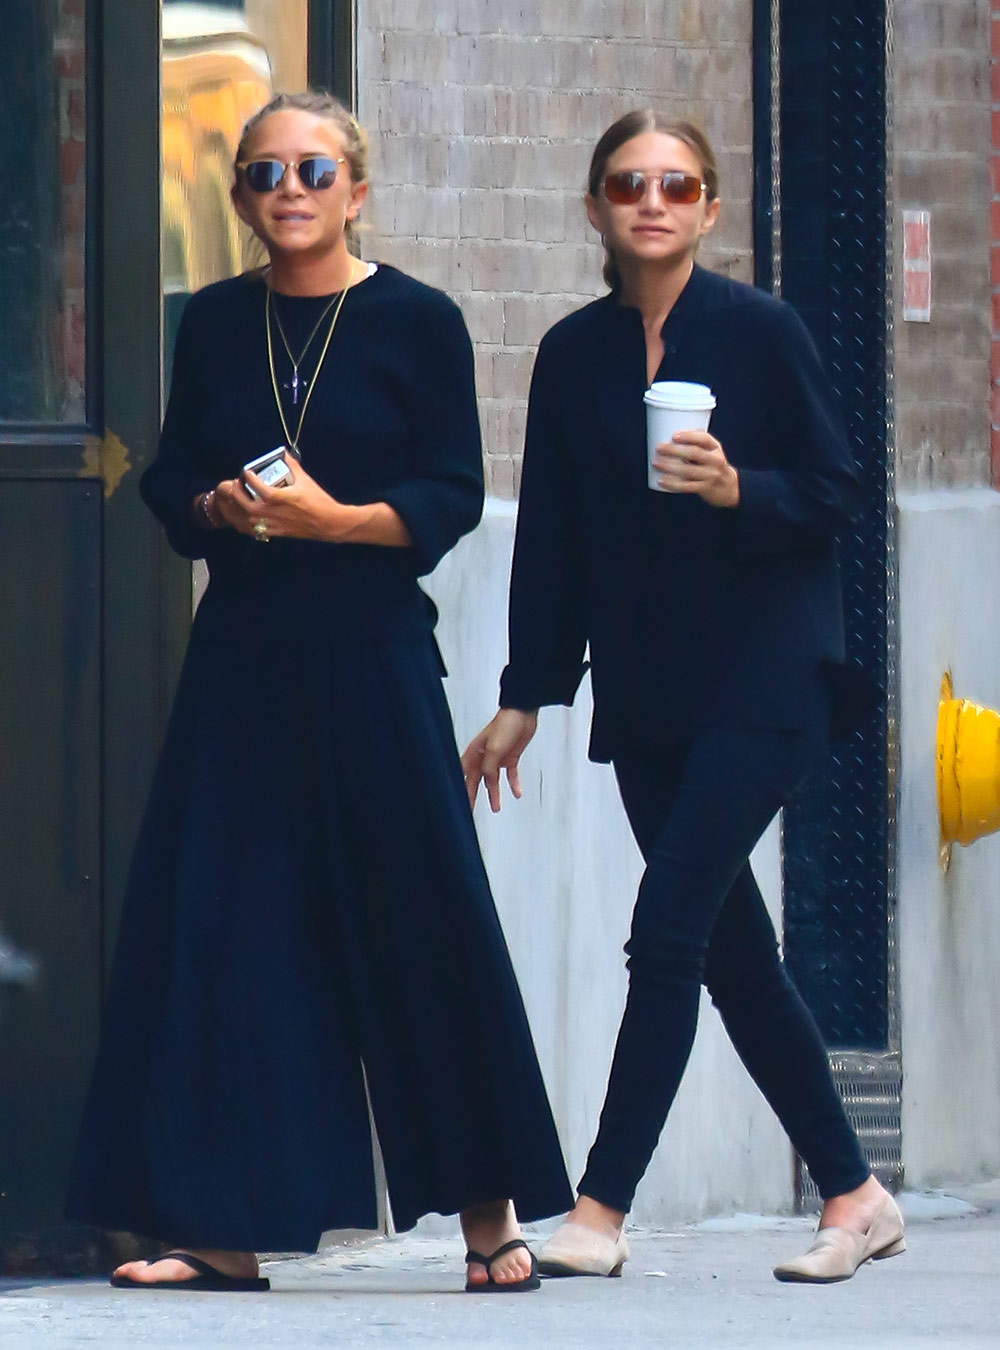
949,925
564,871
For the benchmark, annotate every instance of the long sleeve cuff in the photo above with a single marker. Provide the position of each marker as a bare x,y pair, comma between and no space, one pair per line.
777,512
753,523
435,516
527,691
174,511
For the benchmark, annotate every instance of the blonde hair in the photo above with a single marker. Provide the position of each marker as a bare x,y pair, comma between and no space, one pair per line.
320,104
635,123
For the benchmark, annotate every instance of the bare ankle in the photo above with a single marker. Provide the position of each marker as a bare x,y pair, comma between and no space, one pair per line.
489,1225
853,1209
592,1214
489,1212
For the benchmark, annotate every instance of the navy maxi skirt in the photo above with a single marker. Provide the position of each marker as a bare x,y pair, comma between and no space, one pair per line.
308,925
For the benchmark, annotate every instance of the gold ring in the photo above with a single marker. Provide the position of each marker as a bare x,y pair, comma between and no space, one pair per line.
260,531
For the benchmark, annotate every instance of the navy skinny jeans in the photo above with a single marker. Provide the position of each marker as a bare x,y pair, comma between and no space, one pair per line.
697,809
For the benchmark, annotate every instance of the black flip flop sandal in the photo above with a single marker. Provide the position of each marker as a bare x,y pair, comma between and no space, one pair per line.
507,1287
206,1278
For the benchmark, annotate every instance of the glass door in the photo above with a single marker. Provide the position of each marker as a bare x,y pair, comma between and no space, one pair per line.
220,63
97,245
51,511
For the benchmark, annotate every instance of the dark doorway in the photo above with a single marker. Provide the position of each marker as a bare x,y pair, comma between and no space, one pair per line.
96,609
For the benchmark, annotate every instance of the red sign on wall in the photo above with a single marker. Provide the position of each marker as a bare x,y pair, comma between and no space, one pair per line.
917,266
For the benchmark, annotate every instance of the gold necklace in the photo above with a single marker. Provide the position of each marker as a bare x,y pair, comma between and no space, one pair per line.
302,353
290,441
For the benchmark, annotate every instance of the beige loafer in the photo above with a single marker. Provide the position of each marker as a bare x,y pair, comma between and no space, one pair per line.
574,1249
837,1252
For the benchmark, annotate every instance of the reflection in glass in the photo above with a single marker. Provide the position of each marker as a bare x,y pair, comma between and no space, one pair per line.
221,62
42,211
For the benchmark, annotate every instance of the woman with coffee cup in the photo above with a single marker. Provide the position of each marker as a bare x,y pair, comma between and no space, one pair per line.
308,927
712,611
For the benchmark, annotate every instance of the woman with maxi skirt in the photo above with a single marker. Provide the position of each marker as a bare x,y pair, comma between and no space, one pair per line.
308,926
711,606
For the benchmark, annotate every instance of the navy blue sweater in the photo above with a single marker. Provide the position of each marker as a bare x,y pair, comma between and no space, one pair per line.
393,418
695,616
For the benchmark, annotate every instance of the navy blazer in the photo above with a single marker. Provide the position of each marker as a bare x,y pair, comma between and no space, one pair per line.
695,616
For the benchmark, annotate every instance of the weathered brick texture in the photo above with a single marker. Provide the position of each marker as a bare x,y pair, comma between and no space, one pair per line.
483,115
941,134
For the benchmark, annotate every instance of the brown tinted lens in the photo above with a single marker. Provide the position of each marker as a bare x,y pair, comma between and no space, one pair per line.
624,189
680,188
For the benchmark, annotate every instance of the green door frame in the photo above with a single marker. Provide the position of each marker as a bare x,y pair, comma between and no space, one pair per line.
332,63
147,590
100,632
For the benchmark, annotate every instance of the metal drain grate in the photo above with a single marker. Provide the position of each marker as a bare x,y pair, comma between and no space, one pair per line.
871,1086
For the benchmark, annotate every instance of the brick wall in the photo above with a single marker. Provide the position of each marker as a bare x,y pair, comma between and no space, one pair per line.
483,115
941,74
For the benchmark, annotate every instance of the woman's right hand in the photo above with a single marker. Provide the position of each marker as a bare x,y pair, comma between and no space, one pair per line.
235,506
498,746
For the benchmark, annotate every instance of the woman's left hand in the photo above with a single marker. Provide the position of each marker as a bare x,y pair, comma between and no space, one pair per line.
300,510
695,462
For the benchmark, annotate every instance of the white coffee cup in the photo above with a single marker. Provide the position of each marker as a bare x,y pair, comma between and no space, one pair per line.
672,406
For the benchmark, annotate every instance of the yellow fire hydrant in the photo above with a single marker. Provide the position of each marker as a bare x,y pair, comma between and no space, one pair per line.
968,770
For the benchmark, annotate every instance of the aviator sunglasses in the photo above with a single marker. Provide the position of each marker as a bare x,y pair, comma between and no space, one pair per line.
315,172
630,186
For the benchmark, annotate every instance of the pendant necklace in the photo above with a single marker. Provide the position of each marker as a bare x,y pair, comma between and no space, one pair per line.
296,382
335,304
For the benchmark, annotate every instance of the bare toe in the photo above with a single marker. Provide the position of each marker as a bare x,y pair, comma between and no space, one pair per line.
476,1273
513,1266
241,1265
486,1229
148,1272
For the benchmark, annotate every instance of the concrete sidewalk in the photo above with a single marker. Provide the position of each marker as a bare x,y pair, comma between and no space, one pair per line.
703,1286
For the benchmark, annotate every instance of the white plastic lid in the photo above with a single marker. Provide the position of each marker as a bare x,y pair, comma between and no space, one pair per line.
679,394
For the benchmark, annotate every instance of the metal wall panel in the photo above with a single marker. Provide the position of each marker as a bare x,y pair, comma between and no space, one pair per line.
822,123
833,251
